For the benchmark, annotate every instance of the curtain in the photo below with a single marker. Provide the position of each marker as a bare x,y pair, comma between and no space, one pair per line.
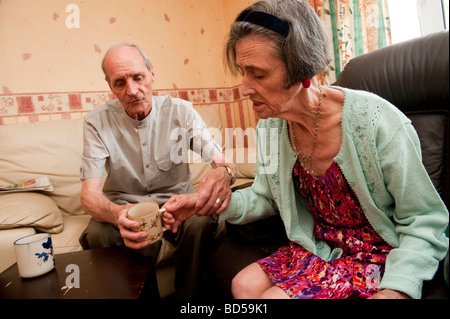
354,27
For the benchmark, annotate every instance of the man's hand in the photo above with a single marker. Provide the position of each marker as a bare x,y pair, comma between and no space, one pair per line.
178,209
214,192
103,210
132,239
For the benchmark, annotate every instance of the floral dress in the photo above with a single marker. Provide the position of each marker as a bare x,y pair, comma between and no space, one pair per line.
340,221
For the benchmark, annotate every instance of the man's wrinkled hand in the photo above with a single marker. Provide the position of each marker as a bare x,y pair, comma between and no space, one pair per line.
131,239
214,192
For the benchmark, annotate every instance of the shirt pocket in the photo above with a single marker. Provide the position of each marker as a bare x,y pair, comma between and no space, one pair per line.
165,164
171,174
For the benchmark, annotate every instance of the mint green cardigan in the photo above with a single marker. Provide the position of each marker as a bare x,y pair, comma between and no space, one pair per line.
380,157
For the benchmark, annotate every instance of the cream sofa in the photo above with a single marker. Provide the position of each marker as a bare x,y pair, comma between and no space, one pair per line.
53,149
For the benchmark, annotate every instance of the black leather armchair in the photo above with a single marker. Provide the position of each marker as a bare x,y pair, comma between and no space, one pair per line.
414,76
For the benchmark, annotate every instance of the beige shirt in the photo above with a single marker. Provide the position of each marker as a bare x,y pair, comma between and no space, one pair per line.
145,160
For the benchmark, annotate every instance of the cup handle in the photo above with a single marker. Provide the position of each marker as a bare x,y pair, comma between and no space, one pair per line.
162,210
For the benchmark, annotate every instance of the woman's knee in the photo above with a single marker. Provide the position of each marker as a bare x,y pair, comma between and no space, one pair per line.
250,283
239,289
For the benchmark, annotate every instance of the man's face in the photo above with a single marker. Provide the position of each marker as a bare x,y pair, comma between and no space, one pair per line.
130,80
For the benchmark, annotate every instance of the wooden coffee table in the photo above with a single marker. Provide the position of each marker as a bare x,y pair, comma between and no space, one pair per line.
108,273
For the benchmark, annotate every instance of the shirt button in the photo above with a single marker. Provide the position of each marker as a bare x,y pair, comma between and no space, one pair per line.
143,144
147,166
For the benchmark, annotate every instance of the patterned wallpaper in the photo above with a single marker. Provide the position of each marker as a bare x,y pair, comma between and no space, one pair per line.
33,107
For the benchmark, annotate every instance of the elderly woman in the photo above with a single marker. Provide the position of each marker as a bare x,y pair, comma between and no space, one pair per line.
361,214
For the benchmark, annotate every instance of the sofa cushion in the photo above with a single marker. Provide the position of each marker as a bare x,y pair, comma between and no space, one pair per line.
30,209
9,236
49,148
245,160
198,171
68,240
211,116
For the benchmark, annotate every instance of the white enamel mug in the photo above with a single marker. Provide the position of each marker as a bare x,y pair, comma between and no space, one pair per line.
34,255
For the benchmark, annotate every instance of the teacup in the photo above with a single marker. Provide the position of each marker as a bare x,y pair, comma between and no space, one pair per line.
148,215
34,255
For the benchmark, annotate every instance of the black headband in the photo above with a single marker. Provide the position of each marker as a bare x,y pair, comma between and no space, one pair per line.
266,20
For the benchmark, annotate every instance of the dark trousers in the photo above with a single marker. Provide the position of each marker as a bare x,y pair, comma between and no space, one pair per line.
193,243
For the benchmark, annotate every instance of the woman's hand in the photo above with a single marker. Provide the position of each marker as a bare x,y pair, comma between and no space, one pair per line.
178,209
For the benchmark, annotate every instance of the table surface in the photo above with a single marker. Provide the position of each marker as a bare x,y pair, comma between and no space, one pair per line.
107,273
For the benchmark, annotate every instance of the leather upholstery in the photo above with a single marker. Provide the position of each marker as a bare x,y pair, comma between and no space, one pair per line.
414,76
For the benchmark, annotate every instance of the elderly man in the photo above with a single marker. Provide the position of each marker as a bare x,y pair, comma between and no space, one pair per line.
133,139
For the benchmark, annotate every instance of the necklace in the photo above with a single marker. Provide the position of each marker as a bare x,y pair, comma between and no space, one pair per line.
305,160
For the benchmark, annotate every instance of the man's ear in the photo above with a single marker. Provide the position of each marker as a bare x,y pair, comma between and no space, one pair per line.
109,82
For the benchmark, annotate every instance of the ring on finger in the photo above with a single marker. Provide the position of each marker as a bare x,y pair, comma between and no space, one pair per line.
218,201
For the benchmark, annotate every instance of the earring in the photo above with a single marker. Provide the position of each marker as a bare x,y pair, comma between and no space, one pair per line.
306,83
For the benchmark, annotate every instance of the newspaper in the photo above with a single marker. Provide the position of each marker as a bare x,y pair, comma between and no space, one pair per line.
35,184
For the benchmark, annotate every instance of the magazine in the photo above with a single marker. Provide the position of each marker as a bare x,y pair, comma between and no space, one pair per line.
35,184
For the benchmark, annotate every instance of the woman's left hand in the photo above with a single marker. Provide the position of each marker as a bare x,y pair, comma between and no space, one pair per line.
390,294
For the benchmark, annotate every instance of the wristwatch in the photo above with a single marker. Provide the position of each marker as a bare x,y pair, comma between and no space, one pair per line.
230,172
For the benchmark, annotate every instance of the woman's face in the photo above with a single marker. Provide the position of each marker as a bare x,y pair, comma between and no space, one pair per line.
264,78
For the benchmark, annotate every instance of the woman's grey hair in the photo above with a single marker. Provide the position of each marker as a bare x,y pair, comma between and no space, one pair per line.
144,56
304,50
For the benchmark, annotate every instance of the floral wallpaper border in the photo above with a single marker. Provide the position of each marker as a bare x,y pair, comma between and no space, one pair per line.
34,107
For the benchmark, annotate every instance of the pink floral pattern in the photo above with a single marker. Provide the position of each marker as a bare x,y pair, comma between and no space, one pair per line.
340,221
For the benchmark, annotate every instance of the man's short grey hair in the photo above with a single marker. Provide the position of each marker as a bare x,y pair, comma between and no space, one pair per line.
144,56
304,50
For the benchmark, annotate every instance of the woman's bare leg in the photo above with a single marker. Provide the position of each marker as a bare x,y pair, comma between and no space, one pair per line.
250,283
274,293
